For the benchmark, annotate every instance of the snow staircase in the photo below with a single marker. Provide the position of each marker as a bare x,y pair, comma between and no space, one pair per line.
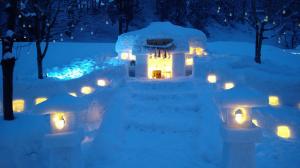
162,124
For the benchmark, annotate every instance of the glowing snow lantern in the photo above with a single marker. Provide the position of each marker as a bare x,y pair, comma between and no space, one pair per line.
18,105
274,101
59,120
86,90
236,106
102,82
228,85
238,131
283,131
189,61
212,78
40,100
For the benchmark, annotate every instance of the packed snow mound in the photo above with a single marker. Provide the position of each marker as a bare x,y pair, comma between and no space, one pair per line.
182,37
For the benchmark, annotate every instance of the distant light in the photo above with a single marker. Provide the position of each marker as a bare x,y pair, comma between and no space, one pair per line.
212,78
228,85
283,131
86,90
255,122
40,100
73,94
274,101
18,105
283,12
102,82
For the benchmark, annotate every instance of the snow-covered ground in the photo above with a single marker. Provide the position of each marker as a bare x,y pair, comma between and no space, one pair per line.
151,124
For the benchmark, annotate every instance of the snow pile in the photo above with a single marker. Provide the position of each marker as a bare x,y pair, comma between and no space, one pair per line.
182,37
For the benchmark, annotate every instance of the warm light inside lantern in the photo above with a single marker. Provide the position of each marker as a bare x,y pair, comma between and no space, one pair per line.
102,82
228,85
160,66
40,100
73,94
86,90
128,56
274,101
189,61
255,122
18,105
196,50
283,131
59,120
239,116
212,78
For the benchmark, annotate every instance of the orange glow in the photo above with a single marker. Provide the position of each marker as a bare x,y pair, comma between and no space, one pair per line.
128,56
274,101
197,51
255,122
40,100
189,61
283,131
58,120
18,105
102,82
73,94
212,78
87,90
160,67
228,85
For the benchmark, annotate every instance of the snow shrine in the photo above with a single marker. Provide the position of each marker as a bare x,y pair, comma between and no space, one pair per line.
161,50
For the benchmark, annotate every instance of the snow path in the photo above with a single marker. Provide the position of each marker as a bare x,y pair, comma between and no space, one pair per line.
159,124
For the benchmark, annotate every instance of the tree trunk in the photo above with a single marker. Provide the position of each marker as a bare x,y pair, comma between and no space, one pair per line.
120,25
39,60
8,60
258,42
7,73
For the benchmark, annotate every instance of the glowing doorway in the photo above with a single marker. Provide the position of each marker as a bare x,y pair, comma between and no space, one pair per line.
160,66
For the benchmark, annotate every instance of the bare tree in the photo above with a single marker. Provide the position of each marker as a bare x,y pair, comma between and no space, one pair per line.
8,59
43,15
268,19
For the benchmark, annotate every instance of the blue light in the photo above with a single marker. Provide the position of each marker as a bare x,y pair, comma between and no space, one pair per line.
76,70
80,68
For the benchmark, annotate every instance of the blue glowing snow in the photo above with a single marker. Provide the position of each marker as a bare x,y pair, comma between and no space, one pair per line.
79,68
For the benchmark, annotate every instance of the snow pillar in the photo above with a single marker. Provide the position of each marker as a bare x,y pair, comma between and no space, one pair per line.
178,65
141,66
200,68
239,147
64,150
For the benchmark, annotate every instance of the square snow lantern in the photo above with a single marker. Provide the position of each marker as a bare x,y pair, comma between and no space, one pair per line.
274,101
212,78
61,121
18,105
238,117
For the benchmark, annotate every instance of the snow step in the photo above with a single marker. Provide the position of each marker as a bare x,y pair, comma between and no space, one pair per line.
163,107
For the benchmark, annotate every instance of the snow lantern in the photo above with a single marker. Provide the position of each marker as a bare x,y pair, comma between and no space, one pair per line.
274,101
102,82
64,112
18,105
161,50
236,106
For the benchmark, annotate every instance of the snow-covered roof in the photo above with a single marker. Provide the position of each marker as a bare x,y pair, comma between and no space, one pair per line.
136,41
